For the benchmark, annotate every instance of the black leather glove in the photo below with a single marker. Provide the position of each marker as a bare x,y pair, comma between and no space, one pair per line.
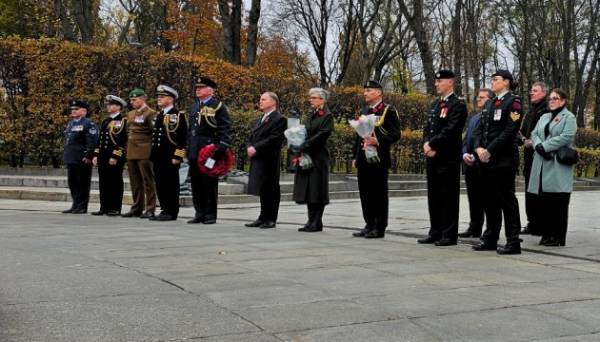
539,148
220,152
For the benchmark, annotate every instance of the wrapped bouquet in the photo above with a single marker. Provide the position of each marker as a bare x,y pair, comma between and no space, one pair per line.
365,126
296,136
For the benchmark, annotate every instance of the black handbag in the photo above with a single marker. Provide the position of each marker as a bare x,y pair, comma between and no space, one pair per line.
567,156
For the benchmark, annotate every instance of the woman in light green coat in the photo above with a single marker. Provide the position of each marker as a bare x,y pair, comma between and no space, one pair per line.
550,179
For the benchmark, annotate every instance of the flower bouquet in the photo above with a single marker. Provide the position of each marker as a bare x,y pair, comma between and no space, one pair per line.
296,136
365,126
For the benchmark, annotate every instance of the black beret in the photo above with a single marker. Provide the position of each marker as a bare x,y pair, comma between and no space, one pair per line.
444,74
373,84
206,82
504,74
78,104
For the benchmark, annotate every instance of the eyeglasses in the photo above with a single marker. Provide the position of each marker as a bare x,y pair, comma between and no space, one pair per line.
554,99
314,98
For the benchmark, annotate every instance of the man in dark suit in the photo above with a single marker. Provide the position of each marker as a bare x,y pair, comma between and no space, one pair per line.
209,124
537,108
109,156
80,139
264,151
373,175
169,139
443,150
496,148
475,189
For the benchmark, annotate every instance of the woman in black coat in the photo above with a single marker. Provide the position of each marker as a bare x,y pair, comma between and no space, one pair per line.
311,186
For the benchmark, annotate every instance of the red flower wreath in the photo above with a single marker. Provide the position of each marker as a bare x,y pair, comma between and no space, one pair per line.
221,167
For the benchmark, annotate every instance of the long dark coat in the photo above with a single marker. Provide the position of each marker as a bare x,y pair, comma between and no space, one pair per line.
312,186
267,138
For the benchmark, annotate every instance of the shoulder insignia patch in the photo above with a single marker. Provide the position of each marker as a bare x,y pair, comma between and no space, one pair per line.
515,116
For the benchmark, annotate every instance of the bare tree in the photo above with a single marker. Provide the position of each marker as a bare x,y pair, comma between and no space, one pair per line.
230,12
251,45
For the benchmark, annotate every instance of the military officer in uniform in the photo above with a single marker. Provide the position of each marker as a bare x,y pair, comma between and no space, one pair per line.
169,140
443,150
373,175
109,157
538,107
496,148
80,139
209,124
140,122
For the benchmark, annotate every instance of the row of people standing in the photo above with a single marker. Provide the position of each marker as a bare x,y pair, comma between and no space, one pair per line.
153,144
546,128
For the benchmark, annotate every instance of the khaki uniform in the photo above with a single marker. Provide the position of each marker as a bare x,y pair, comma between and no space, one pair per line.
140,123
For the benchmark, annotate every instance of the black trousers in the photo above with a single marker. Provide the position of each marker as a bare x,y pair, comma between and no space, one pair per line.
532,201
204,192
443,198
373,188
270,196
554,220
79,177
500,199
476,195
110,178
166,176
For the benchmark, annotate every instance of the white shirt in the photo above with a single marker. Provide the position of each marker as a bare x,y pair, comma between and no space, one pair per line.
167,109
112,116
501,95
445,98
377,104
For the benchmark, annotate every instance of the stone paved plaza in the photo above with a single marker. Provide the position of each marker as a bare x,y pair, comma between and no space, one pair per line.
85,278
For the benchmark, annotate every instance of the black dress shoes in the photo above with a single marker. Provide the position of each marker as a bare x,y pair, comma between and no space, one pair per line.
68,211
485,247
469,233
163,217
113,213
375,234
209,221
196,220
445,242
553,242
509,249
98,213
544,240
360,233
79,211
267,225
256,223
427,240
147,215
529,229
132,214
313,228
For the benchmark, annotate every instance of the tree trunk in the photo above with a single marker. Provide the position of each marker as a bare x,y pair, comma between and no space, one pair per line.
458,46
251,45
231,19
84,14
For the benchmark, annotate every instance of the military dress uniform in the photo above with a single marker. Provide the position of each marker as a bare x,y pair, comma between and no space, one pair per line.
443,132
139,146
373,177
209,124
497,132
111,145
532,204
80,139
169,139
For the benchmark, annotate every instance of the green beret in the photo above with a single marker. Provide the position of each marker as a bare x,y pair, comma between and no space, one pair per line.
137,92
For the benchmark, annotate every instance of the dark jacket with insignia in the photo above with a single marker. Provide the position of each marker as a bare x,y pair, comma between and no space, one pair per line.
444,130
267,138
112,142
312,185
209,124
80,139
387,131
139,133
498,128
169,136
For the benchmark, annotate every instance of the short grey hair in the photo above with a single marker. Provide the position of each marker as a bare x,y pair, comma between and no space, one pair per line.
542,85
320,92
273,97
488,92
